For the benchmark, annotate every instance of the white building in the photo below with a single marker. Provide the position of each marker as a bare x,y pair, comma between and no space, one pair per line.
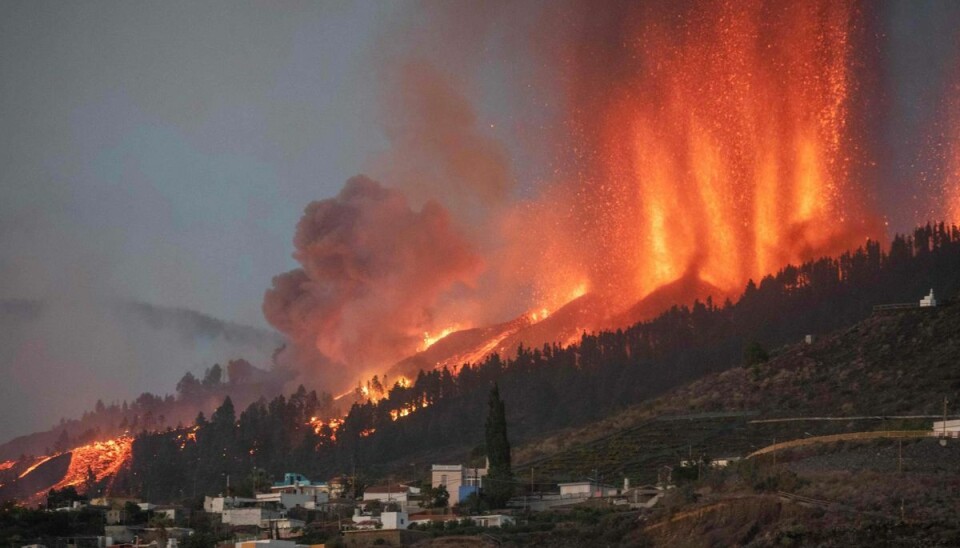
459,480
393,492
586,489
394,520
216,505
929,301
493,520
287,500
939,427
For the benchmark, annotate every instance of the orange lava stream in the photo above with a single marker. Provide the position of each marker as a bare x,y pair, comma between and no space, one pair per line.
429,340
34,466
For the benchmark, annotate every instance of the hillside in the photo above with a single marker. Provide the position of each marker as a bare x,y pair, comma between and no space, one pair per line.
891,364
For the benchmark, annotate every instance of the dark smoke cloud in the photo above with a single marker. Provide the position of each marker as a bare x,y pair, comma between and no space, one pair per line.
373,272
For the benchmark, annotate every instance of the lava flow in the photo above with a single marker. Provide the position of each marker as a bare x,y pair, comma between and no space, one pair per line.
102,459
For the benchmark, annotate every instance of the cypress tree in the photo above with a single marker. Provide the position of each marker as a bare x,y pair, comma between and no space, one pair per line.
498,485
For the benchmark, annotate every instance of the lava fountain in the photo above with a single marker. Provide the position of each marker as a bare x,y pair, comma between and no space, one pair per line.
717,141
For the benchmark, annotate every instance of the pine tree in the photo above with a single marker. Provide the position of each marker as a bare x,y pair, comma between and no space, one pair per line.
498,485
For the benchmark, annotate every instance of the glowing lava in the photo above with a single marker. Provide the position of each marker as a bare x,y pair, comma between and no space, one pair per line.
102,458
429,340
721,142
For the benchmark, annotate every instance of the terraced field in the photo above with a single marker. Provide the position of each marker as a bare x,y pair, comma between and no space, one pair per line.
640,451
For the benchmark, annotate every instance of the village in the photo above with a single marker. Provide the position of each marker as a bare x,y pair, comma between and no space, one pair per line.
394,513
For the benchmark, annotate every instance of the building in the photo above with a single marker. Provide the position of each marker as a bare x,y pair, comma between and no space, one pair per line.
288,500
493,520
394,520
255,515
285,528
586,489
267,543
216,505
645,496
294,483
459,480
929,301
950,428
393,492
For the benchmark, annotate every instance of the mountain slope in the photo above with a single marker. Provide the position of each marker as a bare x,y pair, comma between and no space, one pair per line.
900,363
61,357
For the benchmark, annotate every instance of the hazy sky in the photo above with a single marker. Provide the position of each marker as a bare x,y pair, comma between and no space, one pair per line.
165,150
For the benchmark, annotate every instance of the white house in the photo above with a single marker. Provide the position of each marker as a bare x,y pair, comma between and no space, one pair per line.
493,520
586,489
929,301
393,492
287,500
394,520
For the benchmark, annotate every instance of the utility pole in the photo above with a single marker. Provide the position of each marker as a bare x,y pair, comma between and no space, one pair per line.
943,438
900,456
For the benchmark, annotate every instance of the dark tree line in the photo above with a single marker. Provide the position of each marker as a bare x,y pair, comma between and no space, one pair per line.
552,387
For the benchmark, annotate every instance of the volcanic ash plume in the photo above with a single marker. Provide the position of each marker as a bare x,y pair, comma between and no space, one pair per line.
373,273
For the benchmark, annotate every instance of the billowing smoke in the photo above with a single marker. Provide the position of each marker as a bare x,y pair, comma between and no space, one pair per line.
437,151
373,272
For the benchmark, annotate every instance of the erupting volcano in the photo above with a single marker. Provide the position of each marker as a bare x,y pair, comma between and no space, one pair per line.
701,146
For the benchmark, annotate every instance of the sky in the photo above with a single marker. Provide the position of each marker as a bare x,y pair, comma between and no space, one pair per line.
164,151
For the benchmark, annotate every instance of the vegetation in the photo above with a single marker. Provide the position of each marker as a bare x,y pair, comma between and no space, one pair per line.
20,525
499,480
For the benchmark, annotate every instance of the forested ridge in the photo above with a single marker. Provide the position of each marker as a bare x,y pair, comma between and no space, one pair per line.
544,388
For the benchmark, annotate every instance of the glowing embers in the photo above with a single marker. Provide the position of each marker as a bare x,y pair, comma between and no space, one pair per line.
186,437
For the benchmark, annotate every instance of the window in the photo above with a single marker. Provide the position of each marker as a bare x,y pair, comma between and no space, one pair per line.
443,480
